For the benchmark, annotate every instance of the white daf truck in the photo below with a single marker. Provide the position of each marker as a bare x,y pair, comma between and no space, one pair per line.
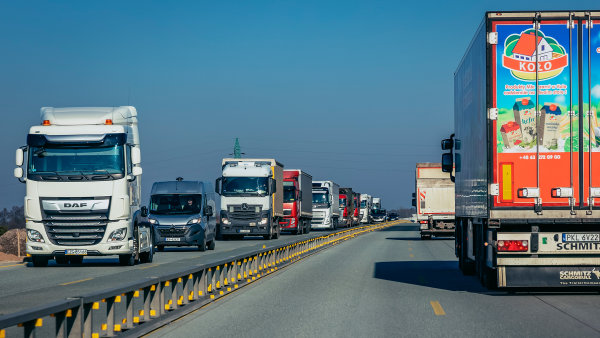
82,172
251,197
366,202
325,204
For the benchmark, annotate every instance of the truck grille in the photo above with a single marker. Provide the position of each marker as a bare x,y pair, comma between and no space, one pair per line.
318,217
245,213
75,229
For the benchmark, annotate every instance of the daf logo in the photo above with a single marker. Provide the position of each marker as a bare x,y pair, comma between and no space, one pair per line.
244,206
75,205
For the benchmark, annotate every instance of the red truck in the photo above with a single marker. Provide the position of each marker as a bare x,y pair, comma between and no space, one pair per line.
297,201
346,207
356,217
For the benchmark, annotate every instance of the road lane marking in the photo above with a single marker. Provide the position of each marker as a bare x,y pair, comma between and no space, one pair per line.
409,249
411,256
7,266
148,266
77,281
437,308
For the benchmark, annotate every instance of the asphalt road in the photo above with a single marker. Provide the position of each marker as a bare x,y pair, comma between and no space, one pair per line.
23,286
386,284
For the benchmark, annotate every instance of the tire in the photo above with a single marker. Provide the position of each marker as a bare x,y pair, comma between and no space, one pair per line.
202,246
148,257
39,261
277,233
307,227
76,260
298,231
335,224
61,260
466,265
211,245
269,236
127,260
160,247
425,237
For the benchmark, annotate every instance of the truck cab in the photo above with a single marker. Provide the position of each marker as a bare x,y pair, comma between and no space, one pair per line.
325,205
356,213
183,213
366,203
346,206
81,168
251,197
297,201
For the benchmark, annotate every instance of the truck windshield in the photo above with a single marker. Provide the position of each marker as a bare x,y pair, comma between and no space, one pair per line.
289,192
320,198
342,202
245,186
363,204
175,204
95,162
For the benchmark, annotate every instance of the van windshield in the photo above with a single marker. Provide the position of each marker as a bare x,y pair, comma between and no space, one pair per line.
245,186
175,204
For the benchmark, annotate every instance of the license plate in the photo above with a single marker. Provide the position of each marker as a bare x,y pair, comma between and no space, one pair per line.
581,237
173,239
79,252
244,231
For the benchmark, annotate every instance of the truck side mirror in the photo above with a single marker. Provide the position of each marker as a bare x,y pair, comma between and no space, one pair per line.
136,155
18,172
218,186
136,171
447,144
447,162
144,212
414,202
273,185
208,211
19,158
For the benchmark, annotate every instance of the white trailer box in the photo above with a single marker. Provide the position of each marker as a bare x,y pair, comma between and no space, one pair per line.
434,200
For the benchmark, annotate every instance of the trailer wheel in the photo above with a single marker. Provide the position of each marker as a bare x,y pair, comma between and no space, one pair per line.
466,265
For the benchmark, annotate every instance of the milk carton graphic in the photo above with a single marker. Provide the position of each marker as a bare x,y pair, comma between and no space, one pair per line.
549,125
524,110
511,134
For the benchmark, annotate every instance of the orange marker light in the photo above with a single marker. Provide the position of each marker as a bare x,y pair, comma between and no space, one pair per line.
108,121
46,123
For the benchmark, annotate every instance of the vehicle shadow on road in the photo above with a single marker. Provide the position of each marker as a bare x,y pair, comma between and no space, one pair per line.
443,275
401,228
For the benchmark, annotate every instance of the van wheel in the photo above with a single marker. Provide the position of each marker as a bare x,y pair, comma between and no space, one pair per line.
202,247
39,261
211,245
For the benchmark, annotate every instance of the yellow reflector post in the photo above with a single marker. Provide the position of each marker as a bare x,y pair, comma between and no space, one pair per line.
39,322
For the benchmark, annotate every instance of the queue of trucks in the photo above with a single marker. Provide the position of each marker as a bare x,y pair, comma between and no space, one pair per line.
82,172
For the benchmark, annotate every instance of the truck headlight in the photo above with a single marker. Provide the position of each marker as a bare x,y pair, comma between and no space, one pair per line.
292,221
263,221
35,236
153,221
117,235
225,220
194,221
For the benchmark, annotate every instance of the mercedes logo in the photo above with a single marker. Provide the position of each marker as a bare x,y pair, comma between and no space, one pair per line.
244,206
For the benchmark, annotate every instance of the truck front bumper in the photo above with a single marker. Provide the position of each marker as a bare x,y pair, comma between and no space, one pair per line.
287,224
104,248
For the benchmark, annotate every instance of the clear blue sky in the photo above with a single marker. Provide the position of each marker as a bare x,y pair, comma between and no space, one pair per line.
353,91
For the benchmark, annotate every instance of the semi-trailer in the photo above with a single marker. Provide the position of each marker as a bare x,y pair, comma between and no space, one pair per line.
325,204
297,201
184,213
251,197
82,176
366,203
526,145
434,200
346,207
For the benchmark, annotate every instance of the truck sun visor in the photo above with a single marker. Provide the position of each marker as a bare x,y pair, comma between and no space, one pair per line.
103,139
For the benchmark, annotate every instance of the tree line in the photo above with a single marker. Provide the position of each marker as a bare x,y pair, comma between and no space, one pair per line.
13,218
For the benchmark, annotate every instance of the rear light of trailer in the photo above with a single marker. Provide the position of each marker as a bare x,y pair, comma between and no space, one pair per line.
513,245
423,222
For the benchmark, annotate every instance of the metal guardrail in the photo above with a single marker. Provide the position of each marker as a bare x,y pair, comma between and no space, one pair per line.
138,308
